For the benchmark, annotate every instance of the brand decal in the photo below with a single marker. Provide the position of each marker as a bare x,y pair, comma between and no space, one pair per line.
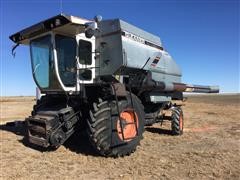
155,61
140,40
134,37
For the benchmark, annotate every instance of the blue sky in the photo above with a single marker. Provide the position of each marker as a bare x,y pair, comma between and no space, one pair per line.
202,36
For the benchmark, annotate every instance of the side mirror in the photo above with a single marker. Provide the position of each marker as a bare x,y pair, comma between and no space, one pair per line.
92,26
90,29
89,33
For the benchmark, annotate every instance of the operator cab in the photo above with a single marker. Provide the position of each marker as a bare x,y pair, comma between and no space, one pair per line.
61,55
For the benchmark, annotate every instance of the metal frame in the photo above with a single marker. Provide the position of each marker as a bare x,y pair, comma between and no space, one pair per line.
80,66
121,123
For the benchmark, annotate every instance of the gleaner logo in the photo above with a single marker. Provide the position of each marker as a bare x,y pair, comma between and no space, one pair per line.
140,40
134,37
156,60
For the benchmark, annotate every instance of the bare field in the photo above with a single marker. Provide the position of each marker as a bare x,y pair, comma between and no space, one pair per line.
208,149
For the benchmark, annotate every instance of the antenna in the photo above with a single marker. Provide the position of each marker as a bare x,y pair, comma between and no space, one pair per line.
61,6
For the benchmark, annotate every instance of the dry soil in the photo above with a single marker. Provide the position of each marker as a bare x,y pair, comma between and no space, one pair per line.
208,149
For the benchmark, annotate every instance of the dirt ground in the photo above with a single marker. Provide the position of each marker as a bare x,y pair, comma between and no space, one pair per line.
208,149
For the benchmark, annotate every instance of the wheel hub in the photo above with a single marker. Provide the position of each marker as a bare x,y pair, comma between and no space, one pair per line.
129,121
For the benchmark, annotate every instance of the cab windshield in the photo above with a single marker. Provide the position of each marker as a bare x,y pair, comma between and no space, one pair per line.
42,63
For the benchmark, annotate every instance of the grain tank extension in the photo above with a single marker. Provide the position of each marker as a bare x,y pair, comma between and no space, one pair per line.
105,77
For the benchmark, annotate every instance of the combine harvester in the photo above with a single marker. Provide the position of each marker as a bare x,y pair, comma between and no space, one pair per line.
107,77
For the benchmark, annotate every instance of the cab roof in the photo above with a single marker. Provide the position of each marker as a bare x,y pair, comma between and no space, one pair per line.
61,23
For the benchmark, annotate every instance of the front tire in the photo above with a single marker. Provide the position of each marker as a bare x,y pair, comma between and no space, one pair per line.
177,121
104,128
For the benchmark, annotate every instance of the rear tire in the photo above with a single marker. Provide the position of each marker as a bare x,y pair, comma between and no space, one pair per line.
177,121
104,126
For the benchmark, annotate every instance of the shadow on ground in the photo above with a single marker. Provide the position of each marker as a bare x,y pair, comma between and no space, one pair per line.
158,130
80,144
17,127
77,143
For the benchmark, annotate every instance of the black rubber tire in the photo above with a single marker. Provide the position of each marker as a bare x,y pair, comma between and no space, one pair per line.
177,119
102,127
